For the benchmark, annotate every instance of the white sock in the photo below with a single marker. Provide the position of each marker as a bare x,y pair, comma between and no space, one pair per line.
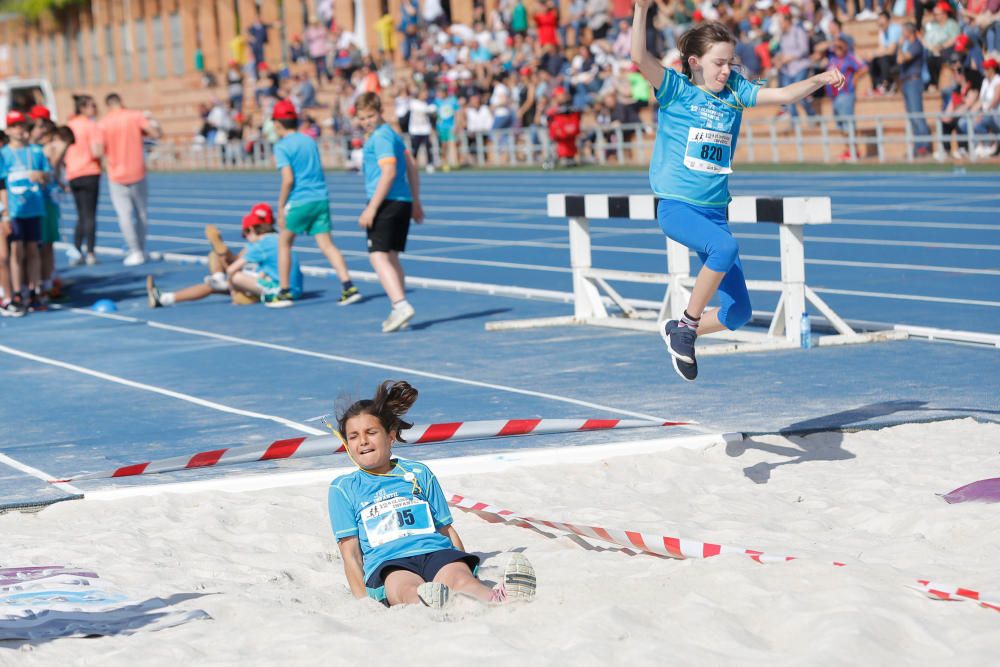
167,299
400,304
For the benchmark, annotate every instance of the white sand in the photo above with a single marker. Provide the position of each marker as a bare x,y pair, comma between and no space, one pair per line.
281,597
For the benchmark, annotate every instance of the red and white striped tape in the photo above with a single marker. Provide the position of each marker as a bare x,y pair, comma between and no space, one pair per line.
423,434
679,547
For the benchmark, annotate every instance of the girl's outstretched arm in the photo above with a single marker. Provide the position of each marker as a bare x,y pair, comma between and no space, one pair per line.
794,92
354,568
649,66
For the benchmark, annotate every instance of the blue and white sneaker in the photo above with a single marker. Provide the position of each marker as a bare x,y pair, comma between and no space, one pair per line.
680,344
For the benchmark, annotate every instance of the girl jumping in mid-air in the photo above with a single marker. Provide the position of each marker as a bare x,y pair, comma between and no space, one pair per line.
699,122
392,522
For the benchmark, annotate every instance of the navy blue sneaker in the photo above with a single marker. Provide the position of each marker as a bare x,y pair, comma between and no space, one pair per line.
680,344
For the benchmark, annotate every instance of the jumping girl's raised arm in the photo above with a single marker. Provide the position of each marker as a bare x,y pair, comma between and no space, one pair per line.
649,66
792,93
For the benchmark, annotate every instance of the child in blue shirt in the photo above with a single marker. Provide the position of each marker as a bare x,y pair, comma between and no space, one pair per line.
248,277
392,521
392,183
26,171
304,203
699,123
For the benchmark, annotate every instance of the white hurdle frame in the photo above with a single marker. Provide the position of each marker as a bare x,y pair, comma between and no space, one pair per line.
593,294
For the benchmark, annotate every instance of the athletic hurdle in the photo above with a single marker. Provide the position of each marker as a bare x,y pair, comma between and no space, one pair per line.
593,293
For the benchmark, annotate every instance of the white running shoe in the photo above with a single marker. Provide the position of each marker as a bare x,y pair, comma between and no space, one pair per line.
398,318
519,582
434,595
91,259
134,258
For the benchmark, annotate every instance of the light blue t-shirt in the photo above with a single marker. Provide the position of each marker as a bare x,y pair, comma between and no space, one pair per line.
301,153
25,199
696,138
389,520
264,254
384,143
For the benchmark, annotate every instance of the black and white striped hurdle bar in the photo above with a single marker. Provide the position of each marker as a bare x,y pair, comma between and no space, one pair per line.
780,210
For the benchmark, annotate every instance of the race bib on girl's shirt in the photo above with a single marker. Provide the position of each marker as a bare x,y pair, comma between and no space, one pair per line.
395,518
709,151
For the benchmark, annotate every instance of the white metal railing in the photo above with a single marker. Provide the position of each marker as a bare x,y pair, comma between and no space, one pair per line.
763,140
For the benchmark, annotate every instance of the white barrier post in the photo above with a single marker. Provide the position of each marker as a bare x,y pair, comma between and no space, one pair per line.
793,279
679,271
587,300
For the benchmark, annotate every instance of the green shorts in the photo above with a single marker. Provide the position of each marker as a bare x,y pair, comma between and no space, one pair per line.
308,217
50,222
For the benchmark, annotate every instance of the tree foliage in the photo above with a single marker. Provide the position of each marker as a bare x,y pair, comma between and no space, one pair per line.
35,9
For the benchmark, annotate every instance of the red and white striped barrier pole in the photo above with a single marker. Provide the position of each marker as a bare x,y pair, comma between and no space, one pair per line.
424,434
679,547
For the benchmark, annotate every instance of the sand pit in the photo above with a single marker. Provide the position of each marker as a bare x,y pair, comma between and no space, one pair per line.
867,499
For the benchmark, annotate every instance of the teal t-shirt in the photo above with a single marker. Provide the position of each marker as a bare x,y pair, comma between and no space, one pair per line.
301,153
696,138
264,254
384,143
25,198
388,516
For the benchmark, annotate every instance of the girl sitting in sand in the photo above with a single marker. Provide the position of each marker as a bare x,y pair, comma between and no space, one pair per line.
392,521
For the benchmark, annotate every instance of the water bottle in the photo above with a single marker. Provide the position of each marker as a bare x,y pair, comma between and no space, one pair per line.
805,332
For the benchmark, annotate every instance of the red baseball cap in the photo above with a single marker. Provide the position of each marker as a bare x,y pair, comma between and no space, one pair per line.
250,221
284,110
559,90
38,111
16,117
944,7
262,213
962,43
755,20
785,10
990,63
697,17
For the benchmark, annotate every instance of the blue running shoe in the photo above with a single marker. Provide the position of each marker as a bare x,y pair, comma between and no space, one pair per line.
680,344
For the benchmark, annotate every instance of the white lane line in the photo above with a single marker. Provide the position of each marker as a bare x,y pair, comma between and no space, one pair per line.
44,476
906,297
380,366
157,390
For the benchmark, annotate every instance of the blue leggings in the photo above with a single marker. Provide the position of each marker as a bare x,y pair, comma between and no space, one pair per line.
706,231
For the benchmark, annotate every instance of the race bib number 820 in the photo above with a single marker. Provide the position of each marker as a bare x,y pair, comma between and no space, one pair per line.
709,151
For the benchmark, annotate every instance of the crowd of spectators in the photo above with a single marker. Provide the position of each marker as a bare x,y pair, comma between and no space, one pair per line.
515,68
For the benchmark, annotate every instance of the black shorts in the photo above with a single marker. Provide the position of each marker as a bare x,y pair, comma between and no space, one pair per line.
25,229
392,224
426,566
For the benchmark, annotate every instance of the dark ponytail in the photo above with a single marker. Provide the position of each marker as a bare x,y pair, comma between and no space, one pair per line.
392,400
698,40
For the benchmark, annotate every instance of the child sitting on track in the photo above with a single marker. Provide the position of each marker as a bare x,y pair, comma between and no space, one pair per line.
392,521
248,277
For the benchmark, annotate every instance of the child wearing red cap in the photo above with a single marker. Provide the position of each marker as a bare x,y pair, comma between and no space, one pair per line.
303,203
25,170
249,277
